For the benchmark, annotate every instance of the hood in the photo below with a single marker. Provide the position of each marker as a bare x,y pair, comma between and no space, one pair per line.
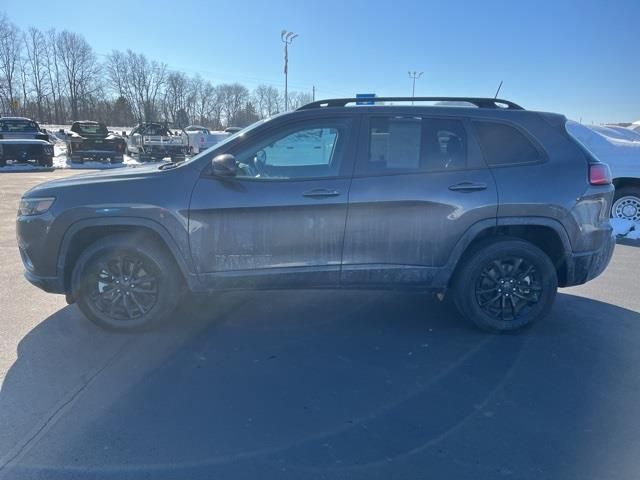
125,174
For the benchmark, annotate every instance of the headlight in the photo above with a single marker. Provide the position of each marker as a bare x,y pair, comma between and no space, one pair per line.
35,206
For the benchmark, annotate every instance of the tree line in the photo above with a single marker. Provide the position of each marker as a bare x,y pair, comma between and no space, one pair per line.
55,77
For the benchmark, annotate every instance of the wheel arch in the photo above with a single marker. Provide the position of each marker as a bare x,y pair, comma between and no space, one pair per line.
83,233
547,234
622,182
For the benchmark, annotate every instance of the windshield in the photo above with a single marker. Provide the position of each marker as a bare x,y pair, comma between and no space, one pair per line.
18,125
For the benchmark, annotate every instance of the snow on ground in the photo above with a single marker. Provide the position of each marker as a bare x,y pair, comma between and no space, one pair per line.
626,229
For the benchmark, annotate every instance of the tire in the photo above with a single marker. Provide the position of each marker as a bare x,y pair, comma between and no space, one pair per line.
526,272
117,159
626,203
105,266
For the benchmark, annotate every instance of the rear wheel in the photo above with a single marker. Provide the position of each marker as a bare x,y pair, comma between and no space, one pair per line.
626,204
505,285
121,283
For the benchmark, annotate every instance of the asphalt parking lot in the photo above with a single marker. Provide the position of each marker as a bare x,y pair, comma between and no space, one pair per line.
324,384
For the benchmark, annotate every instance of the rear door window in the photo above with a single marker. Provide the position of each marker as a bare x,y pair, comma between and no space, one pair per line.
398,144
505,145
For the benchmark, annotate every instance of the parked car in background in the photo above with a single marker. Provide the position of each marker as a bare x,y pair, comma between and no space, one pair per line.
201,138
22,141
491,204
623,157
91,140
154,141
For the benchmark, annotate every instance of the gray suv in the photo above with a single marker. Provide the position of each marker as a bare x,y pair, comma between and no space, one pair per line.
474,198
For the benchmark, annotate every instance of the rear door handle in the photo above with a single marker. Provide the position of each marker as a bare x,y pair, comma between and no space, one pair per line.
468,187
320,193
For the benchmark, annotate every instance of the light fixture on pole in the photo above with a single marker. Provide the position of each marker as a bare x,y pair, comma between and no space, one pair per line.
414,76
287,38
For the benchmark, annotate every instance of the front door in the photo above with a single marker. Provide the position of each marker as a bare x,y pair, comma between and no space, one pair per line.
281,220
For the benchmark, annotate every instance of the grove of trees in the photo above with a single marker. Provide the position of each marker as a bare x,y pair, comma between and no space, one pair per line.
55,77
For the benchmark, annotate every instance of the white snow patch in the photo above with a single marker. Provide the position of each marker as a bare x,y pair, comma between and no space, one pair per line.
634,234
621,226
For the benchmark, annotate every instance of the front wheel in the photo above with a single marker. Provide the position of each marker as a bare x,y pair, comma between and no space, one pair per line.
122,283
505,285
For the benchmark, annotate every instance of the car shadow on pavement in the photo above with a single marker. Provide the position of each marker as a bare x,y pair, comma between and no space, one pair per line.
298,384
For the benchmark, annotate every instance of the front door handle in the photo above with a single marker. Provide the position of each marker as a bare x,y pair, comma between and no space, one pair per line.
468,187
320,193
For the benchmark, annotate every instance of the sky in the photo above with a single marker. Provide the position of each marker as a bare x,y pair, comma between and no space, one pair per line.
580,58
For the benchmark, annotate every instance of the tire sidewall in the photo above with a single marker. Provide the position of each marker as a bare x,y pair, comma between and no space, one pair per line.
624,192
465,285
169,288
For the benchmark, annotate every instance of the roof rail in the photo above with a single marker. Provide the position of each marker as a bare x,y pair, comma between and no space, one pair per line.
477,101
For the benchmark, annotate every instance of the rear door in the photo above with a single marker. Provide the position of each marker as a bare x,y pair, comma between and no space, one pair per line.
419,184
281,220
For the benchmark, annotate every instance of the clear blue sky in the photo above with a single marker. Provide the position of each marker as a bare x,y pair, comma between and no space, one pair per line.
580,57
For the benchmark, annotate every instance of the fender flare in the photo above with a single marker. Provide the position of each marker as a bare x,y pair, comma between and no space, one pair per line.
184,262
442,278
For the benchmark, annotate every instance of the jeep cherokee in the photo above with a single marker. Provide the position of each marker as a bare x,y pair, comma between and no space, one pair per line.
472,197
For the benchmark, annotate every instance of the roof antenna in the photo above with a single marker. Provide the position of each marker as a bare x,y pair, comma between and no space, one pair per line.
498,91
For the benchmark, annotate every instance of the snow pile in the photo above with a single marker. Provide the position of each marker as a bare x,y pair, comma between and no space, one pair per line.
605,143
626,228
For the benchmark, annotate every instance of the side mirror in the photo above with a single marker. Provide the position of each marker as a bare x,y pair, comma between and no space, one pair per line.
224,165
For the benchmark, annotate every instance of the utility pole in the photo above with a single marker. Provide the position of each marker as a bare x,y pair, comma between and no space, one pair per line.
287,38
414,76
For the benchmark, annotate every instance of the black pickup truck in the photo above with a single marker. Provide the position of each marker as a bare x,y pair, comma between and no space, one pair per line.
92,140
22,140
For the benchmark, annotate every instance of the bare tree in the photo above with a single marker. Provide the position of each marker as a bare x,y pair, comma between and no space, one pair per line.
54,76
298,99
233,98
204,96
36,48
177,97
79,67
10,57
138,80
267,99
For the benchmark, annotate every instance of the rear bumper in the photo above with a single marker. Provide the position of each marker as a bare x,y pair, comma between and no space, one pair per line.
585,266
94,152
164,150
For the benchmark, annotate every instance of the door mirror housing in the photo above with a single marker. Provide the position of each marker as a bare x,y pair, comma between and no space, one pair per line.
224,165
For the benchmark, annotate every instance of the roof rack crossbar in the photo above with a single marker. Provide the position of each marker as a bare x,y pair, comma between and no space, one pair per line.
479,102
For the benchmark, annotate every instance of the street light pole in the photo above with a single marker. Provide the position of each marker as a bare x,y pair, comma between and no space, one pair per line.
287,38
414,75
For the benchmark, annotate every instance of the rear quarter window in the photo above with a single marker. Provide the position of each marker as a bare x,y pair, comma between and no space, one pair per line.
503,144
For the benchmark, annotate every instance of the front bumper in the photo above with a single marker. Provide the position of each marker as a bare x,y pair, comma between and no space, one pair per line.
585,266
48,284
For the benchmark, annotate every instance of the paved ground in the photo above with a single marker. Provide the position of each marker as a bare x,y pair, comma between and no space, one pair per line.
357,385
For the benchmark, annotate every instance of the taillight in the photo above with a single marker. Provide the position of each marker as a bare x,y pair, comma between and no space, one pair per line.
599,174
